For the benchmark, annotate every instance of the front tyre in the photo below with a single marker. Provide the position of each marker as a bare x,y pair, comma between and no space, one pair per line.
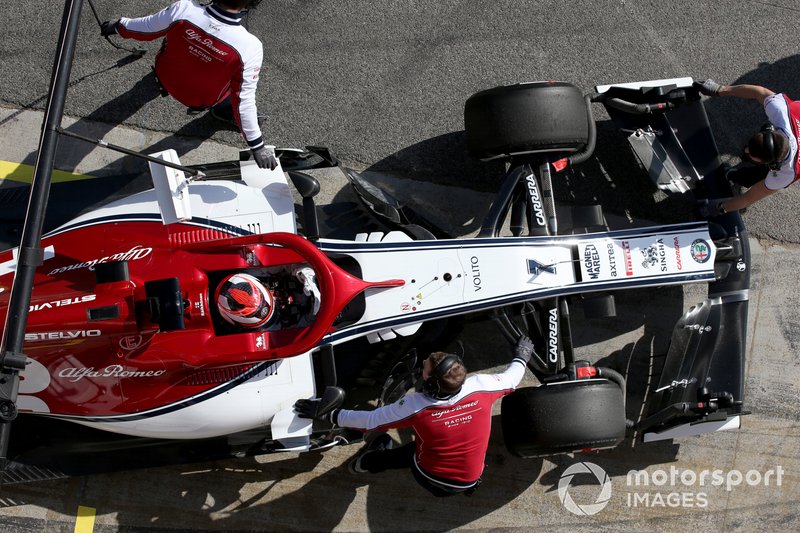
526,118
563,417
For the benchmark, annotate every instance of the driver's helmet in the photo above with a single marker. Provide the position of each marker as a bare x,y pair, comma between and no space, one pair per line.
244,301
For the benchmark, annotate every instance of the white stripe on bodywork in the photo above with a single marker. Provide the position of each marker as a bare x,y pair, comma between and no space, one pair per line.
692,430
11,266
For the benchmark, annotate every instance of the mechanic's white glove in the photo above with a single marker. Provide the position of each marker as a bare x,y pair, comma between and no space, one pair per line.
265,157
523,350
708,87
307,276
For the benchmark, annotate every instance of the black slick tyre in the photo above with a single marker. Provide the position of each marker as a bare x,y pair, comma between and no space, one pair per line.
525,118
563,417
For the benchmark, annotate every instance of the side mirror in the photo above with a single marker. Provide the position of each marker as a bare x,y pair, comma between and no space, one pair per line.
332,398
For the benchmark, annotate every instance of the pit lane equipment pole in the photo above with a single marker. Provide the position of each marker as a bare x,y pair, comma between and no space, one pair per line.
191,171
29,253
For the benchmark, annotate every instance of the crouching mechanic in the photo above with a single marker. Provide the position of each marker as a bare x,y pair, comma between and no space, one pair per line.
451,418
773,149
208,61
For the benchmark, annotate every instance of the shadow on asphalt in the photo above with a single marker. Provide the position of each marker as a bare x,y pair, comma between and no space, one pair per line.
612,178
73,198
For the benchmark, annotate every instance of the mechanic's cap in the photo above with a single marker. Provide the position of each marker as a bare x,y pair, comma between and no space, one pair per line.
244,301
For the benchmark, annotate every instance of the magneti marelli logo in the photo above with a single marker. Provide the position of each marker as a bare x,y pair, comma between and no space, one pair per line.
565,483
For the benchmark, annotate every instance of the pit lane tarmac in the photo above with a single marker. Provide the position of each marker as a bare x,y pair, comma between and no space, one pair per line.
739,480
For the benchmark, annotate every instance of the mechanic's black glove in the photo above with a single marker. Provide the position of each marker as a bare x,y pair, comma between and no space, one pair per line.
265,157
310,409
108,28
708,87
523,350
712,208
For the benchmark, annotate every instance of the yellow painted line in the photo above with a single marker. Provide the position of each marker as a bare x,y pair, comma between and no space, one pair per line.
84,522
24,173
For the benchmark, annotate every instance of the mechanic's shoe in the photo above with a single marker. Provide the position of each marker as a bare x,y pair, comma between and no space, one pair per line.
727,169
739,190
736,188
354,466
381,442
161,90
729,173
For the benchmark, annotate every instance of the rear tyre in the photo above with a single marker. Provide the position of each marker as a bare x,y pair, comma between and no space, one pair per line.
563,417
526,118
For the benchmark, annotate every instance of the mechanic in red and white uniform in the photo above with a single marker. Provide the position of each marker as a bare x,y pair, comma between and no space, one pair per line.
773,149
451,419
208,61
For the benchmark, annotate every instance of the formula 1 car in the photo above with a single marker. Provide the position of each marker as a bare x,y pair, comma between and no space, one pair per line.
198,312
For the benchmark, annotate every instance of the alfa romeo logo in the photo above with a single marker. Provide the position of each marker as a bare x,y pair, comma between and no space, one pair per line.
591,508
700,251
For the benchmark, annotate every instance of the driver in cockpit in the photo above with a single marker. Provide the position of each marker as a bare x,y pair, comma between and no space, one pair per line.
246,301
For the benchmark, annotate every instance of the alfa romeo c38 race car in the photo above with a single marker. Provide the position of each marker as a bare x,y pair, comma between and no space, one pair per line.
198,312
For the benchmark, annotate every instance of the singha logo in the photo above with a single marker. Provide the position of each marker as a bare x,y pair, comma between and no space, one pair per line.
650,256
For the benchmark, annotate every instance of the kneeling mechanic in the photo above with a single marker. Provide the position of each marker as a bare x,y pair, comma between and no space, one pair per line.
451,418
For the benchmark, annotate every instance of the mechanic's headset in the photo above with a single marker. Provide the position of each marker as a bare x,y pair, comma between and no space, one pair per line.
432,387
771,154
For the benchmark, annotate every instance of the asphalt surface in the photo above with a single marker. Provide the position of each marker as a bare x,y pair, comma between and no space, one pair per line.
383,85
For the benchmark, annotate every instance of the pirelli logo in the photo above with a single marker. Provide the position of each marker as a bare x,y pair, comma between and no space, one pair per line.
626,252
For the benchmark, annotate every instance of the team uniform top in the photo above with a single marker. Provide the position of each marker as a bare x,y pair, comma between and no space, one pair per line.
451,435
784,114
207,55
